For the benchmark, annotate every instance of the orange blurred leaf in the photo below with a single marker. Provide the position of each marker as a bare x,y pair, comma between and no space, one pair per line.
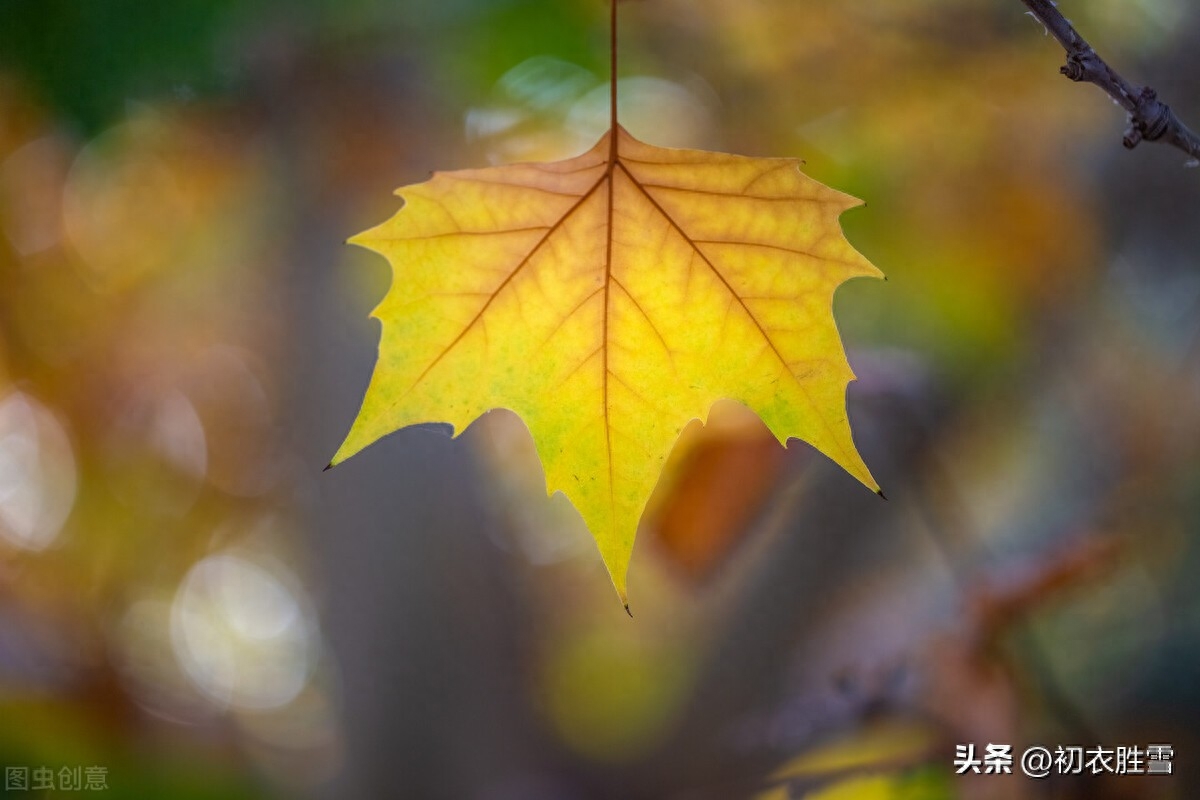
720,475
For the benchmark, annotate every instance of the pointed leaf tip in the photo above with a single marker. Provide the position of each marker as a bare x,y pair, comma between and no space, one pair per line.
328,467
881,494
627,611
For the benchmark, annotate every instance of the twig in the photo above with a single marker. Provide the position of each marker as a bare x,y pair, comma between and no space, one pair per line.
1149,118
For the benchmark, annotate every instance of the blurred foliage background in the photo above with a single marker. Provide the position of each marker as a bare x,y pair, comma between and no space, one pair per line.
186,601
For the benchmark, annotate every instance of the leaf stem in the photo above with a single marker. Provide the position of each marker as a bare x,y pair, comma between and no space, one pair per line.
613,81
612,85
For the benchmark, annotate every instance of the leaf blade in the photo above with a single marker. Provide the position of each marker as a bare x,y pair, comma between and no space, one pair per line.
608,300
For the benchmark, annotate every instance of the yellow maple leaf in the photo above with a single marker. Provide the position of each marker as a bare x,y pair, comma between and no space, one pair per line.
608,300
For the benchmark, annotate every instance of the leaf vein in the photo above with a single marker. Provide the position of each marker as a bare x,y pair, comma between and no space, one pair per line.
496,292
804,389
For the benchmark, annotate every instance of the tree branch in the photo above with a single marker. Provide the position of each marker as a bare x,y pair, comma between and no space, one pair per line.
1149,118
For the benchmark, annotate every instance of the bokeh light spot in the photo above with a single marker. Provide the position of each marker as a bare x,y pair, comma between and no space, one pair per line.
240,633
37,474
